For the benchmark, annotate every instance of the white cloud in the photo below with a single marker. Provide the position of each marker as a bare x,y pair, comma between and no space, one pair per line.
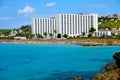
50,4
27,9
100,5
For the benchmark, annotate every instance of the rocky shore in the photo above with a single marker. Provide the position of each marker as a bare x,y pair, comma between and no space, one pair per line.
111,71
83,42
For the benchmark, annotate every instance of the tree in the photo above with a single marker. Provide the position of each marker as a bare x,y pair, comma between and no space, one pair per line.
65,35
83,33
110,24
104,19
55,31
45,34
39,36
58,35
92,29
89,35
51,35
26,28
32,35
25,31
27,35
5,31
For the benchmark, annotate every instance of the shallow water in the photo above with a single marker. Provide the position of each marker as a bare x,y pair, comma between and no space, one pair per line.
52,61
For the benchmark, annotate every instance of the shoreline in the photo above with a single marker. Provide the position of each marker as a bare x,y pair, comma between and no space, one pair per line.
82,42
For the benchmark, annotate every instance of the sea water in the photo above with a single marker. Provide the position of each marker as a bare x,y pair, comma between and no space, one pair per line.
53,61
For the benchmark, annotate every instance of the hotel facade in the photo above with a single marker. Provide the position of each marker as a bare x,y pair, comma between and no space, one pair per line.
70,24
42,25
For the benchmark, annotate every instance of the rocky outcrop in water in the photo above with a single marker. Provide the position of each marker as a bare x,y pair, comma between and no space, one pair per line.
112,70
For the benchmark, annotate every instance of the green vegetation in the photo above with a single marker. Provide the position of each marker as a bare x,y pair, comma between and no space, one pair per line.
25,31
110,24
8,37
45,34
58,35
38,36
23,34
55,32
92,29
5,31
65,35
106,22
51,35
83,34
103,19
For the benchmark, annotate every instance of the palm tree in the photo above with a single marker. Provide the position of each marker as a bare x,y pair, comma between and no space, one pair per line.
39,36
51,35
55,31
45,34
58,35
65,35
92,29
32,35
83,34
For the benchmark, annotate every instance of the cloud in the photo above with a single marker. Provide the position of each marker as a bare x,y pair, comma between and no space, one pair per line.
100,5
26,10
50,4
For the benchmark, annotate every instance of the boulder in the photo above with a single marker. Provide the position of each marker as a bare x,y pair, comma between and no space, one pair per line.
111,71
110,67
116,56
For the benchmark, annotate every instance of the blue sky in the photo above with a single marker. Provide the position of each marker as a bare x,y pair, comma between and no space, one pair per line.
15,13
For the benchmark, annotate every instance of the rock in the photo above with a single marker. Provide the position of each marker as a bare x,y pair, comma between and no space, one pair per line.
111,71
116,56
116,74
77,78
110,66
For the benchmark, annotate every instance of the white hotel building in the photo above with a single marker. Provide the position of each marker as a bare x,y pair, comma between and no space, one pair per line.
70,24
42,25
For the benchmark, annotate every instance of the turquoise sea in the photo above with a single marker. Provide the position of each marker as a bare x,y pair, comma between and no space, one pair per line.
53,61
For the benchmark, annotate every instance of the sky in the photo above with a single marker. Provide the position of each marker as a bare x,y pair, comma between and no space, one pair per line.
15,13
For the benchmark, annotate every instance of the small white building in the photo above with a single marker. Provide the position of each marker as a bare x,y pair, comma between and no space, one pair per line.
20,31
2,35
20,38
13,33
103,32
